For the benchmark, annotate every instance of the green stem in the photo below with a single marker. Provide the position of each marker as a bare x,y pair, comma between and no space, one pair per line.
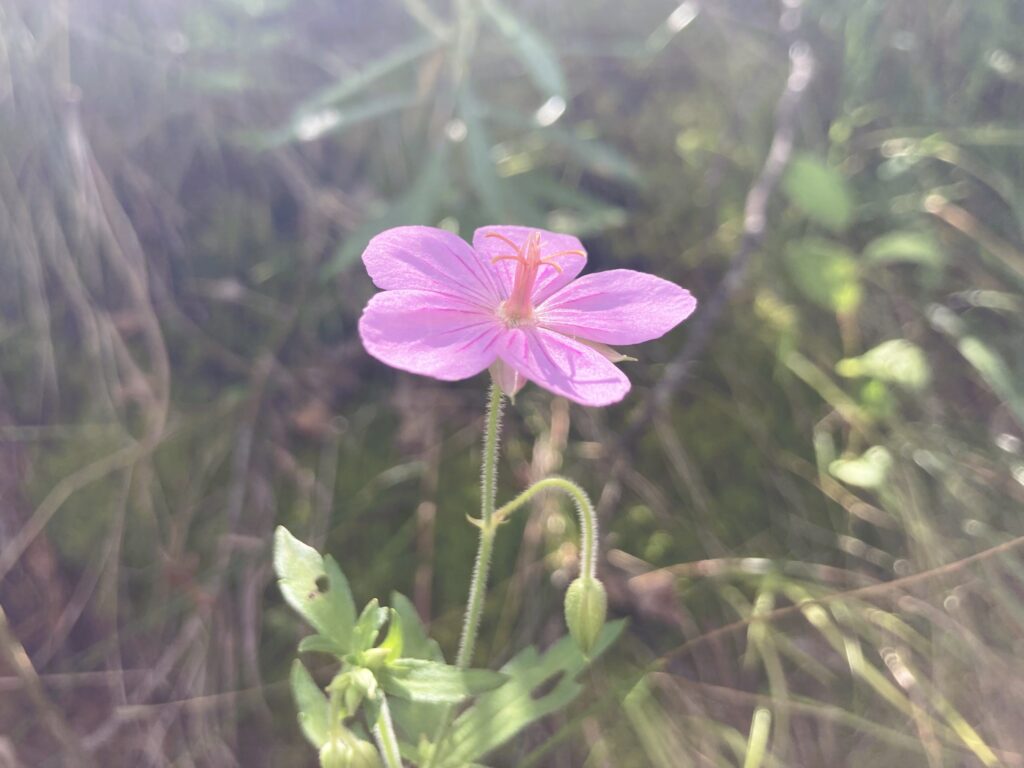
488,483
587,515
384,734
482,566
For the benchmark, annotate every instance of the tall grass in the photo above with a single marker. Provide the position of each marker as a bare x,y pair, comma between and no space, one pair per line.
815,529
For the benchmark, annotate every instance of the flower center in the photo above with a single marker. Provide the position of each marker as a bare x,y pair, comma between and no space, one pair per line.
518,307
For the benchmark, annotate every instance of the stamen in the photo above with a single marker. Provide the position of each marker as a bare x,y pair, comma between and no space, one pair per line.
504,239
517,307
522,259
507,257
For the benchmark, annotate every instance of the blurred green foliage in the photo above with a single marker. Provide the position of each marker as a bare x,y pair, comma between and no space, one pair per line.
185,189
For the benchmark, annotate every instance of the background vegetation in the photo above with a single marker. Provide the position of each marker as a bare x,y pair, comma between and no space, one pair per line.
811,501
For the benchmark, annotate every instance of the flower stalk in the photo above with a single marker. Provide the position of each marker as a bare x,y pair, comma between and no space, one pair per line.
485,549
384,735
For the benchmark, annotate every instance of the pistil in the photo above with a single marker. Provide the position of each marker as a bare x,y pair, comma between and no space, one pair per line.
518,308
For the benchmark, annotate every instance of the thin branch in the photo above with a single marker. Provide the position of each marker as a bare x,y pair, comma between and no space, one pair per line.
755,214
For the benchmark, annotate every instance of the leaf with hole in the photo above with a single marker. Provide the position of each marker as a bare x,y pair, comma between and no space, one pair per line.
538,685
315,587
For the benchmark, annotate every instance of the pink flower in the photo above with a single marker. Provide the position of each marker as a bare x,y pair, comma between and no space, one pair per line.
510,303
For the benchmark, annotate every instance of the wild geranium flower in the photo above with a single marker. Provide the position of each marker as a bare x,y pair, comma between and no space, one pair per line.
511,303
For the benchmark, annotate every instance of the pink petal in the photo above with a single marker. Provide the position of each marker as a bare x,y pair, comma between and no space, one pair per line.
619,306
430,259
549,279
426,333
563,366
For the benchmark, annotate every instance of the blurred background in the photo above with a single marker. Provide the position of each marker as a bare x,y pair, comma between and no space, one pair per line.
811,501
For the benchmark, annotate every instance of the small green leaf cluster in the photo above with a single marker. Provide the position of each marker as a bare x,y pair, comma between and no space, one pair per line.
317,589
405,674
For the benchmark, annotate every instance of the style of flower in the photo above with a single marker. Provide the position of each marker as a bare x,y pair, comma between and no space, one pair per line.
511,303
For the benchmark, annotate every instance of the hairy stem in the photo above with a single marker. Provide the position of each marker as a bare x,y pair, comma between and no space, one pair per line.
482,566
384,734
488,483
587,515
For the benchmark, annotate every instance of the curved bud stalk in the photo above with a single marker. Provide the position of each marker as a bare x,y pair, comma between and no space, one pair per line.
586,602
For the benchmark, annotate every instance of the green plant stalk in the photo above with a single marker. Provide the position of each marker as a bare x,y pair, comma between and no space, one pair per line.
384,735
488,526
585,509
488,483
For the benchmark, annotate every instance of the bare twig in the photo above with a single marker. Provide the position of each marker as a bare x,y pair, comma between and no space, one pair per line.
755,212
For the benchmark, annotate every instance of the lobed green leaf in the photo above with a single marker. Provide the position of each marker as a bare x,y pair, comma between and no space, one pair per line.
430,682
496,717
315,587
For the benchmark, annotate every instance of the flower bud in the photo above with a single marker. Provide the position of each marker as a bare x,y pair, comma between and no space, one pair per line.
335,754
364,755
345,750
586,605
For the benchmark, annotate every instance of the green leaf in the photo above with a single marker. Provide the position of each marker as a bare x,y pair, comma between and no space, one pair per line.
314,586
538,685
419,205
593,154
905,247
597,156
416,643
820,191
867,471
416,719
537,56
826,272
897,361
352,85
986,360
311,704
498,197
393,639
320,644
314,124
368,627
570,209
434,683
